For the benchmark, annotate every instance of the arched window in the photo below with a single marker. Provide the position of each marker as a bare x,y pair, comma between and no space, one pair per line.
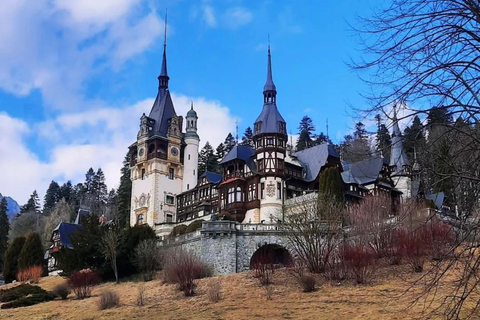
151,148
140,219
238,195
143,174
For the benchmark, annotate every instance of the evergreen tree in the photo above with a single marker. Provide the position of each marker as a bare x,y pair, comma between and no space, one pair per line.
331,184
124,193
111,208
356,148
383,139
4,228
33,204
52,196
10,266
229,143
414,138
305,130
321,138
220,151
67,193
207,160
247,139
32,252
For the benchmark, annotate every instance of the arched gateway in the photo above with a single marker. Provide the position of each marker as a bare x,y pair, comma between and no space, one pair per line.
272,254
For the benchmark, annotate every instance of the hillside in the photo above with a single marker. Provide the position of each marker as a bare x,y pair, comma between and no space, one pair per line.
242,298
12,206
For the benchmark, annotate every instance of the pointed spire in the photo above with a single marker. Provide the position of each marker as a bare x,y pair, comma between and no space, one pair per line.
163,78
398,157
269,90
191,105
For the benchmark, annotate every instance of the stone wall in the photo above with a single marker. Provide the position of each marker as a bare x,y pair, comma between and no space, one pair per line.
228,246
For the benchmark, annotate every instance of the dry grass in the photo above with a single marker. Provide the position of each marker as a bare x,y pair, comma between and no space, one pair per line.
242,298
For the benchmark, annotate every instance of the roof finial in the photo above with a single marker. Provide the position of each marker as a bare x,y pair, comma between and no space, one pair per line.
236,131
165,35
269,90
163,78
191,105
328,138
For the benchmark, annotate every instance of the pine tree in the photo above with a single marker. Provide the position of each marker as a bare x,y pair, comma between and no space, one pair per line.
207,160
124,193
33,204
331,184
32,252
52,196
229,143
321,138
220,151
247,139
67,193
4,228
10,266
305,130
414,138
383,141
356,148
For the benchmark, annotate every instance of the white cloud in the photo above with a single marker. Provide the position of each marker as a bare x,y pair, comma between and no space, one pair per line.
76,141
209,16
237,17
57,46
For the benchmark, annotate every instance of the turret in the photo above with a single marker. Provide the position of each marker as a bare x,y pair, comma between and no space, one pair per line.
192,142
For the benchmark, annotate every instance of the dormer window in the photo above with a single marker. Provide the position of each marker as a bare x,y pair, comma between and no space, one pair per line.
258,127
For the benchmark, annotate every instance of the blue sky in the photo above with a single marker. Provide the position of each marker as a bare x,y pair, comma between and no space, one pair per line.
75,76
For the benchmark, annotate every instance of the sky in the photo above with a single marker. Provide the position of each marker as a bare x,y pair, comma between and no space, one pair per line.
76,75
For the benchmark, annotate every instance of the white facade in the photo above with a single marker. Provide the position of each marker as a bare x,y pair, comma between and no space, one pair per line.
270,195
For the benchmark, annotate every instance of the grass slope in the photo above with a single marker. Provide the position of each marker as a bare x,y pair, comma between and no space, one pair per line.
242,298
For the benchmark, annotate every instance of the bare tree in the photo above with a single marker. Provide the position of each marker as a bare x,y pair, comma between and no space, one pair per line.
313,228
110,245
148,258
426,53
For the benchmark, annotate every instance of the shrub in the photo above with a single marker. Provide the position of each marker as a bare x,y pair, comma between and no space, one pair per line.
20,291
195,225
414,248
10,266
263,268
147,258
308,283
108,299
183,268
30,300
213,291
141,295
178,230
32,252
62,290
359,261
82,282
32,274
336,269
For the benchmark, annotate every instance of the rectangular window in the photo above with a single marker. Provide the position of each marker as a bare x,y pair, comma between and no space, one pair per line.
171,172
269,141
279,190
169,218
143,174
262,190
170,200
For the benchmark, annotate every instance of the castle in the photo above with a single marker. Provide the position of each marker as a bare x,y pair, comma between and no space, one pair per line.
254,182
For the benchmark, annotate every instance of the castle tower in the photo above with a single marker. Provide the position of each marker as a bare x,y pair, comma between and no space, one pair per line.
399,163
270,137
192,141
156,167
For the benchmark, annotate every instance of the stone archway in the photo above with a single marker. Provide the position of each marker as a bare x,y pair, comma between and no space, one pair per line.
271,254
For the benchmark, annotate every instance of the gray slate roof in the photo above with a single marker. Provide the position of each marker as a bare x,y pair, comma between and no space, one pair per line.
162,111
241,152
363,172
314,158
270,119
